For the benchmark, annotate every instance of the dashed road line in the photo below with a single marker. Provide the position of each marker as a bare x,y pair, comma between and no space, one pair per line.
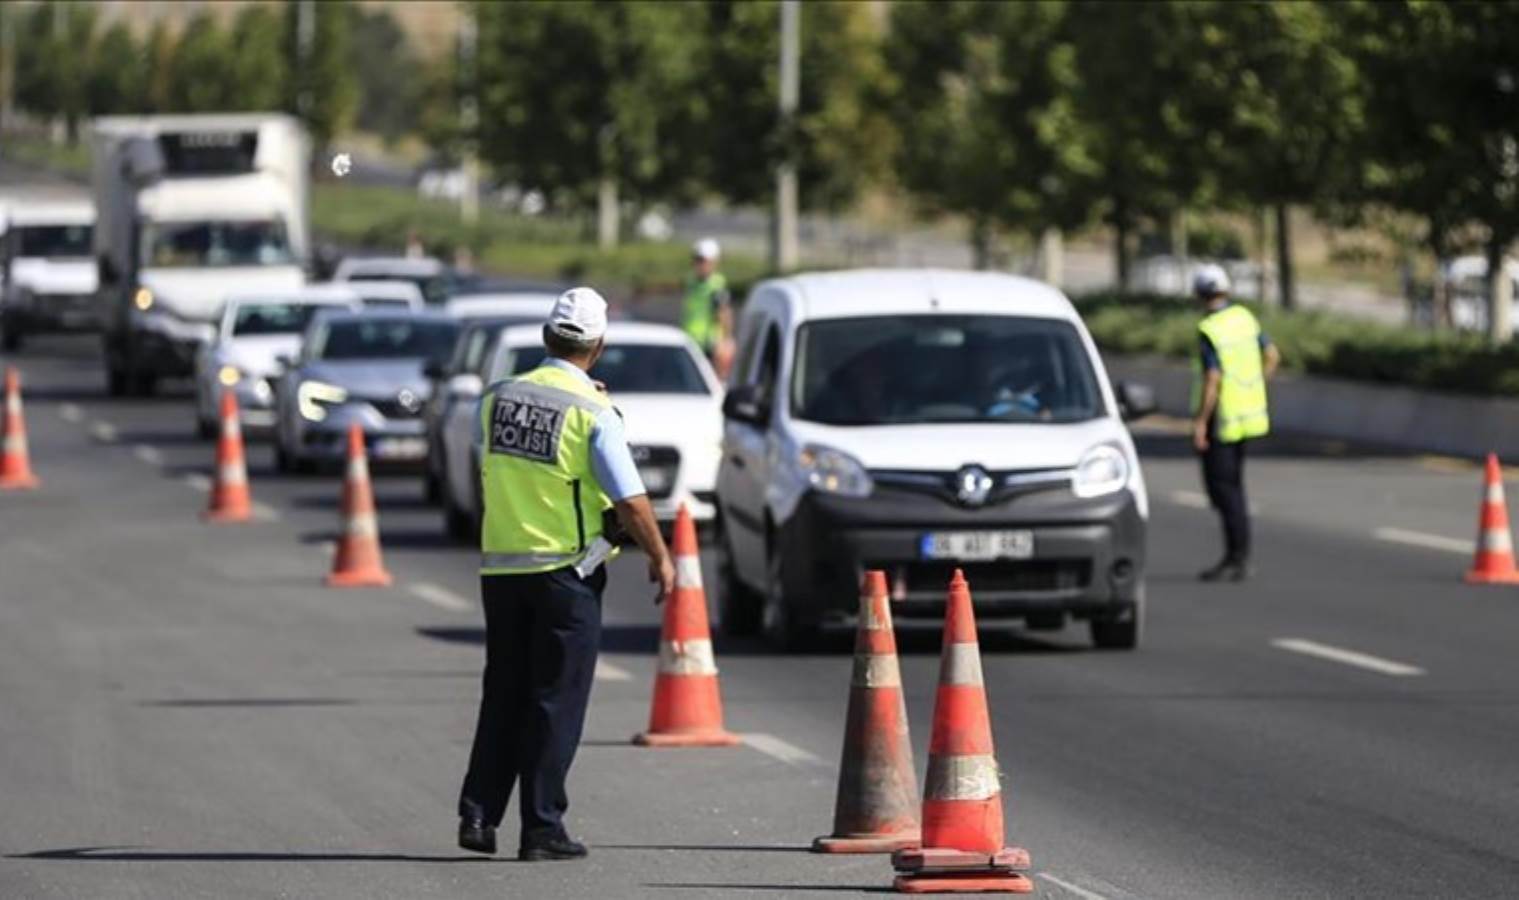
147,454
1070,888
605,671
440,596
104,432
70,412
1190,499
786,752
198,481
1425,540
1346,657
265,513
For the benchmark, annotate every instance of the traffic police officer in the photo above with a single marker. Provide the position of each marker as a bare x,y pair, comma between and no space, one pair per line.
1234,359
553,464
706,314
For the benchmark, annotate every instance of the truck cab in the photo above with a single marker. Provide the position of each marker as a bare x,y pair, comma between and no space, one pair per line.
192,208
47,275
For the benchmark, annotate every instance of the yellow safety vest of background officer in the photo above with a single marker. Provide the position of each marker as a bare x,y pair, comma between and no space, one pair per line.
1229,409
706,313
554,463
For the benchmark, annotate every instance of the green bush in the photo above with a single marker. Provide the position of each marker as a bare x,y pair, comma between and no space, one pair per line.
1313,342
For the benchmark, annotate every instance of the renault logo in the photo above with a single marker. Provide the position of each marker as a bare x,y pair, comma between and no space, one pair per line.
408,401
972,485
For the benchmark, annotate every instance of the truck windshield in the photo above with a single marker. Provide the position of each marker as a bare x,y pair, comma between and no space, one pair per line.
272,318
384,338
922,369
53,241
211,244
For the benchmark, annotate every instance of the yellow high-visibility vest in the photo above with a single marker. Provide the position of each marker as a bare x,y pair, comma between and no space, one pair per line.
543,506
1242,406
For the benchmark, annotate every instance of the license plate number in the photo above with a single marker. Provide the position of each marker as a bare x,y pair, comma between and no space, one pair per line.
400,448
977,545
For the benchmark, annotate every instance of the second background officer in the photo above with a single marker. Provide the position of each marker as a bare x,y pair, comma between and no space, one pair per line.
554,461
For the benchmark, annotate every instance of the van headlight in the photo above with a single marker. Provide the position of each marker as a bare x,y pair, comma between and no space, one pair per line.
311,396
833,471
1103,470
229,375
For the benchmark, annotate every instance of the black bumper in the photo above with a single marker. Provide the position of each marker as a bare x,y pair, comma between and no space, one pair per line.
1089,555
48,317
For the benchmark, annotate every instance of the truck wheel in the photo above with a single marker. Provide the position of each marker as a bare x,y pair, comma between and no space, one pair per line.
1121,632
740,612
116,382
144,384
205,430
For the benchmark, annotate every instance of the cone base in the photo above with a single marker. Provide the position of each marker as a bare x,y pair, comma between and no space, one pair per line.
375,578
878,843
964,883
20,483
224,516
687,739
1509,577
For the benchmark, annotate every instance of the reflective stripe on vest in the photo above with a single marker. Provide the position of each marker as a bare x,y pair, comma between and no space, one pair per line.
542,505
698,318
1242,406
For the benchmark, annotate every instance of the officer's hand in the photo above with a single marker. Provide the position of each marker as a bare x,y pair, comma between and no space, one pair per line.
662,573
1200,437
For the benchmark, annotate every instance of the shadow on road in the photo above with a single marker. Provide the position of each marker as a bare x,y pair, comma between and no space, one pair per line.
711,848
778,888
1154,445
126,854
246,702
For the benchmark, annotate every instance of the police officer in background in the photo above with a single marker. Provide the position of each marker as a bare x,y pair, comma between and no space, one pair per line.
1234,359
706,313
557,477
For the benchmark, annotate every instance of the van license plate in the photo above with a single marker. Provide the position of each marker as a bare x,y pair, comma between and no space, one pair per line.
977,546
400,448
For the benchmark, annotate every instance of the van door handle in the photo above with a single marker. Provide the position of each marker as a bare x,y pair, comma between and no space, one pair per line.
738,461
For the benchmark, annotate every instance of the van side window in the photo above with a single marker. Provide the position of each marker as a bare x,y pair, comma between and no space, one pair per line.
769,367
749,341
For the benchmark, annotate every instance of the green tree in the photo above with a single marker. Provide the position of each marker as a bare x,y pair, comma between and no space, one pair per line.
200,71
156,86
258,65
391,78
114,80
323,88
49,79
580,100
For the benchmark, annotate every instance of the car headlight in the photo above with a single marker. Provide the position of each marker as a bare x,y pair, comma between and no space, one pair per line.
834,471
1103,470
229,375
143,299
311,395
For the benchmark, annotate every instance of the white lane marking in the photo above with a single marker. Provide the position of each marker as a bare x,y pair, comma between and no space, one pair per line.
147,454
70,412
1070,888
104,432
1425,540
198,481
605,671
441,597
1189,498
265,513
1347,657
786,752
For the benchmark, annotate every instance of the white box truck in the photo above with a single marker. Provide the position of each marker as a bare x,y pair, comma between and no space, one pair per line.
191,207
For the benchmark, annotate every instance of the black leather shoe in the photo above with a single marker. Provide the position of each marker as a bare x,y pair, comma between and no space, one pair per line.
475,835
553,849
1228,570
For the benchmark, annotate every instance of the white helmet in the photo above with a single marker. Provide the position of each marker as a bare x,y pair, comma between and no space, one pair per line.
706,248
1210,281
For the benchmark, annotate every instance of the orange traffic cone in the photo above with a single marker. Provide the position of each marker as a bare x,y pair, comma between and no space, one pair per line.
15,465
357,563
877,806
1494,562
688,707
962,800
230,501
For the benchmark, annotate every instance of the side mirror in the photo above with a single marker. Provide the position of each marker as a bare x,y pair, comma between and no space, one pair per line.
433,369
1135,400
743,404
107,270
465,387
285,360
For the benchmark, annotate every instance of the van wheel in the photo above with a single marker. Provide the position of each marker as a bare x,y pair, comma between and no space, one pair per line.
778,621
206,430
1123,630
116,382
740,612
459,523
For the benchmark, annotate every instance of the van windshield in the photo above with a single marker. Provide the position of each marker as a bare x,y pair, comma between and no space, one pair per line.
924,369
206,244
53,241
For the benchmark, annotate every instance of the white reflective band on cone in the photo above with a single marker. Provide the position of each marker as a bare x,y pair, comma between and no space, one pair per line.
876,671
1495,492
232,473
873,622
961,664
363,526
15,443
13,404
687,658
687,572
962,778
1497,540
230,429
358,468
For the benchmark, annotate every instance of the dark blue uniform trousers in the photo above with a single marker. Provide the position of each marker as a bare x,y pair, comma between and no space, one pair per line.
542,632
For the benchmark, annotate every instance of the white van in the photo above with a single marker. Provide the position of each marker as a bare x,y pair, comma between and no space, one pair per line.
919,422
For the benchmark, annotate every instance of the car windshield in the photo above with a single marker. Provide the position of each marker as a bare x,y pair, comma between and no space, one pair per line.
53,241
633,369
435,288
920,369
383,338
272,318
203,244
